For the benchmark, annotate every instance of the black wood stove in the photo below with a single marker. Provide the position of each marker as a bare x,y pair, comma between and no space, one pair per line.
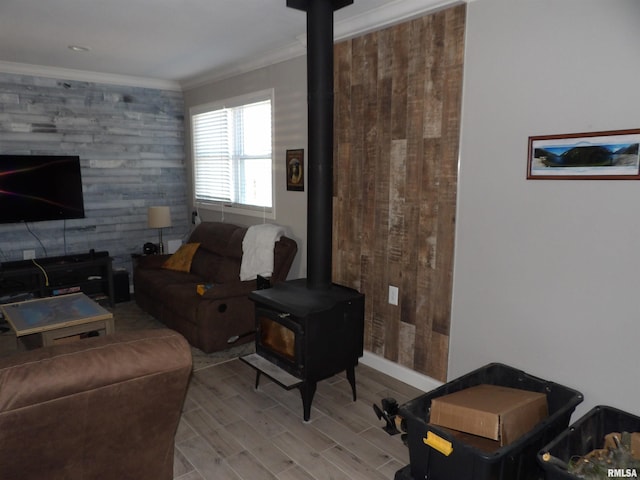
304,336
310,329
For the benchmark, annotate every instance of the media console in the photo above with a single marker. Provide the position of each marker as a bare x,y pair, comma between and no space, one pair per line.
90,273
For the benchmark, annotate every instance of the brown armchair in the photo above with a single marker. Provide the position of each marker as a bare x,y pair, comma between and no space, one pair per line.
96,409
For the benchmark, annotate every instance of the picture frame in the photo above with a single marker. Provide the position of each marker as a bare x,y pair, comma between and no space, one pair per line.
295,170
608,155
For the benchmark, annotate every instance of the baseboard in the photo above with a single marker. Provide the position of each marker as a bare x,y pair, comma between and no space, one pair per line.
400,372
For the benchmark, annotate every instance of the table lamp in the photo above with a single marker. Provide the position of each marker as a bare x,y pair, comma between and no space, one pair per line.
159,217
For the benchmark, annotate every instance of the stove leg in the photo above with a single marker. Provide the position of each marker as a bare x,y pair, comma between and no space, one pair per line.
307,390
351,376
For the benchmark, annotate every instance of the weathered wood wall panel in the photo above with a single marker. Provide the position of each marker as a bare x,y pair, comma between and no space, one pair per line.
131,146
397,128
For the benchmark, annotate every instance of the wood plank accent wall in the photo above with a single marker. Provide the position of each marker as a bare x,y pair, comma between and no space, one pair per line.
131,146
397,127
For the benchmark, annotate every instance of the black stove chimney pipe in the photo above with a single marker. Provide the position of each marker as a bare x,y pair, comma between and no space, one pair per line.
320,137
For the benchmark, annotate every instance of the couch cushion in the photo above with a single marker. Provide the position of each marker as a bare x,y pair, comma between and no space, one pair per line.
223,239
45,374
220,254
154,281
181,301
229,270
206,264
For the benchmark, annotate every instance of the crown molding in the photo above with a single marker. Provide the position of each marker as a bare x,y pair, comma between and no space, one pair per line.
394,12
391,13
87,76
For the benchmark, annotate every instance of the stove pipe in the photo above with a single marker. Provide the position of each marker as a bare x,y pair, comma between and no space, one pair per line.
320,137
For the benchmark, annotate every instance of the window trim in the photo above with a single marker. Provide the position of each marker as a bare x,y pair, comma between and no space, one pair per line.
219,206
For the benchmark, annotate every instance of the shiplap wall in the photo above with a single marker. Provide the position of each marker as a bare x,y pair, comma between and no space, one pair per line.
397,129
131,146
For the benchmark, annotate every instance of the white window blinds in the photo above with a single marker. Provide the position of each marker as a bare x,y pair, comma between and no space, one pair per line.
232,153
212,153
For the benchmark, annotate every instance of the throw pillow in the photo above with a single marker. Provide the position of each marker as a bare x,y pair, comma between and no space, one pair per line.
181,260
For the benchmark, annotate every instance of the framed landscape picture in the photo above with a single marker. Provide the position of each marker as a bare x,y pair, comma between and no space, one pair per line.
585,156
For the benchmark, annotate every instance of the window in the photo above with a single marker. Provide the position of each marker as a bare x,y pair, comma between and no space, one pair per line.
232,153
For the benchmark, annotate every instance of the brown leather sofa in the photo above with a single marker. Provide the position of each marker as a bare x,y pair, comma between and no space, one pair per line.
207,321
95,409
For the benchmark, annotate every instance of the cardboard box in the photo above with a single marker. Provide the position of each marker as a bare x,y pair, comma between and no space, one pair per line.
495,412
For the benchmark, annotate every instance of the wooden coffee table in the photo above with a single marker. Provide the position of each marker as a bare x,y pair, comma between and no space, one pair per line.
45,321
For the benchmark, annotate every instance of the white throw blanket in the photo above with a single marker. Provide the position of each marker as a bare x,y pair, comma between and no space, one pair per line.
257,250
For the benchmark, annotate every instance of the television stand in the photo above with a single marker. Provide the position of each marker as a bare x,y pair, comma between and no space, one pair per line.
90,273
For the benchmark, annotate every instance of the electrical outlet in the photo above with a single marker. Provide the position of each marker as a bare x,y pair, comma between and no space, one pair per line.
28,254
393,295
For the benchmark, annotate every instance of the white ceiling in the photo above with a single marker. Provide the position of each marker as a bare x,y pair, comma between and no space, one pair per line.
170,43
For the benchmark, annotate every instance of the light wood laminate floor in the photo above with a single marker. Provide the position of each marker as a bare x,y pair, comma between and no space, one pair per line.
231,431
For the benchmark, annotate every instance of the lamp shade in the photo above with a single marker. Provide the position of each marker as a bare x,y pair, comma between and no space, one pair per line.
158,217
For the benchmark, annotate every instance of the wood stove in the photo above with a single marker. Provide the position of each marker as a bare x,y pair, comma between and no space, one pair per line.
310,329
304,336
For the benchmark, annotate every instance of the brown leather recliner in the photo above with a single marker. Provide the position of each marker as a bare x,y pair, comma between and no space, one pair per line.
95,409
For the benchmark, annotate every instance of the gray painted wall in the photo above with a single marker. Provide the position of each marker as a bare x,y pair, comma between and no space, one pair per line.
131,146
289,81
546,272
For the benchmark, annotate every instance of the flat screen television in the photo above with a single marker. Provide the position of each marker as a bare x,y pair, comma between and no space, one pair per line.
35,188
